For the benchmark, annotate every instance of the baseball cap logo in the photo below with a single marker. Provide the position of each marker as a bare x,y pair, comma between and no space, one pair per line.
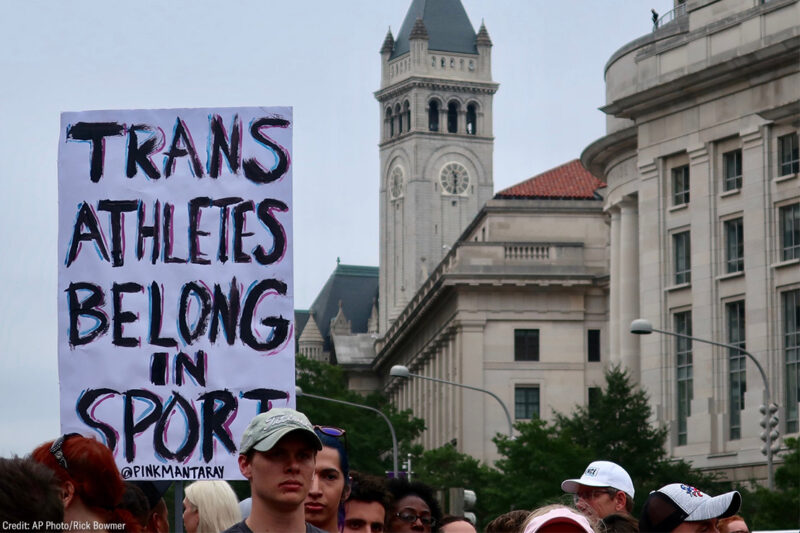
592,472
691,491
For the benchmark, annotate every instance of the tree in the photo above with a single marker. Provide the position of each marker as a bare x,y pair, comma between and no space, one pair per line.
616,427
369,440
778,509
444,468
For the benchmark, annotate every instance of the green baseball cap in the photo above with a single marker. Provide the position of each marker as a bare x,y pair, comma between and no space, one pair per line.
266,429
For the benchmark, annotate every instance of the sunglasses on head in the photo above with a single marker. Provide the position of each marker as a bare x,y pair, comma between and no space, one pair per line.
330,431
56,449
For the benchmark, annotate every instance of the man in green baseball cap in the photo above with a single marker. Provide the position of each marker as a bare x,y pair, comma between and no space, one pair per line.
278,455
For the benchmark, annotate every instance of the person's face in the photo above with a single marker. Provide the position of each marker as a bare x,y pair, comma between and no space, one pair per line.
703,526
411,506
598,502
191,516
327,489
281,476
364,517
460,526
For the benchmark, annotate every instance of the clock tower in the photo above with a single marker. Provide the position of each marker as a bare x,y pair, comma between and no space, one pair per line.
435,146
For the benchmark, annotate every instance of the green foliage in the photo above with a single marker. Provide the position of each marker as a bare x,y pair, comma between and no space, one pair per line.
778,509
534,464
369,440
445,468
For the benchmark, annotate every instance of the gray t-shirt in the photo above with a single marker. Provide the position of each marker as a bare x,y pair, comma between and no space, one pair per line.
241,527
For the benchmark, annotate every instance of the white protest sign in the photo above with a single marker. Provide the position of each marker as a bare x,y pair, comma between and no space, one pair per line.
175,295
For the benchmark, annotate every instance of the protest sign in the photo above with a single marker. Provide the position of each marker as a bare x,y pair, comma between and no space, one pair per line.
175,296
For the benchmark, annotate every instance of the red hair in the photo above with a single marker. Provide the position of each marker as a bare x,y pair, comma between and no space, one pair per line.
93,472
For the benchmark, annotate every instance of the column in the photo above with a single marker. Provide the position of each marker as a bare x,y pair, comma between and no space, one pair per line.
613,291
629,284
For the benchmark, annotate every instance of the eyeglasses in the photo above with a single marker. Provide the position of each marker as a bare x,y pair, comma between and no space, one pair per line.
56,449
592,494
357,524
410,517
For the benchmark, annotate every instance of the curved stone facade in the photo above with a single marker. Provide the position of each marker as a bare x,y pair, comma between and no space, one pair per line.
702,189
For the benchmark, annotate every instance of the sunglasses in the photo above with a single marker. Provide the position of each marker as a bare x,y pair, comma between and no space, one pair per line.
56,449
331,431
410,517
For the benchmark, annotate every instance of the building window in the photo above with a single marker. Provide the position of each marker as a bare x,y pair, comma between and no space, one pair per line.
452,117
791,349
681,245
683,360
472,124
389,122
790,232
593,344
399,119
734,246
526,402
788,155
526,345
407,114
594,396
680,185
737,378
732,170
433,116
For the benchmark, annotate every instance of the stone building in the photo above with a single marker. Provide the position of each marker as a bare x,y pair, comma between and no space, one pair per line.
530,293
701,162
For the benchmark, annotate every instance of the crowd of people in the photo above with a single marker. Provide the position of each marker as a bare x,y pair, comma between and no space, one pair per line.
300,481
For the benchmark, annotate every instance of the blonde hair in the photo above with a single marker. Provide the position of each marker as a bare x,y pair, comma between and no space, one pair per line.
216,504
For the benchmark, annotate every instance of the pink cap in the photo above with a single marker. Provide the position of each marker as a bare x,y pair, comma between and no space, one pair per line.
561,515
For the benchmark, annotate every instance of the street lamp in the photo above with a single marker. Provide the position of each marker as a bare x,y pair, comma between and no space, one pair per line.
642,326
400,371
299,392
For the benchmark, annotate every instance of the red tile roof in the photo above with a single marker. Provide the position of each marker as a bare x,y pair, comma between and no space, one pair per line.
568,181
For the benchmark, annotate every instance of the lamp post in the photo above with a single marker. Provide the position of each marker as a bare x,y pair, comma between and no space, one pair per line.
299,392
642,326
401,371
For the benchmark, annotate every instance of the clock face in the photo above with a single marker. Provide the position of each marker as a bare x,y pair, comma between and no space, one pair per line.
396,182
454,178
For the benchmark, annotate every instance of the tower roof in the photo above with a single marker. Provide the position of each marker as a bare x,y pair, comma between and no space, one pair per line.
567,181
447,23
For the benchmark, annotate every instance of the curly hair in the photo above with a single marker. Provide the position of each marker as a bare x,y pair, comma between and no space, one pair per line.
401,487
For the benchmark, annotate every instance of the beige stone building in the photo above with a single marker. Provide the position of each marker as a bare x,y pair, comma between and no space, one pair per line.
517,307
530,293
701,162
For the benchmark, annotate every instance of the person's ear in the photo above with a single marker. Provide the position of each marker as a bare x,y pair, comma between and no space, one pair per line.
346,492
245,467
67,493
620,499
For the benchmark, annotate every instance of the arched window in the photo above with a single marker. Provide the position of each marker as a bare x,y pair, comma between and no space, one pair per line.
399,119
407,113
472,123
389,122
452,117
433,116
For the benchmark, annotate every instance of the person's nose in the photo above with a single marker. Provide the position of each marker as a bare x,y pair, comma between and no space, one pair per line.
314,490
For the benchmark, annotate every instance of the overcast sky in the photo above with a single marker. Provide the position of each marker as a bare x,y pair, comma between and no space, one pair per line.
321,57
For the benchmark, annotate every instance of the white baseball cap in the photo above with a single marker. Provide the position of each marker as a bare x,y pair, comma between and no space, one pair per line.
601,474
671,505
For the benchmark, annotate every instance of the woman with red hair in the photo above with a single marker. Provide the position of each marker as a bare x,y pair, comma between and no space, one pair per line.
91,485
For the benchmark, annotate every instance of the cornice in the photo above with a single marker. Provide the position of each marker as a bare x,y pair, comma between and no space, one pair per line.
438,84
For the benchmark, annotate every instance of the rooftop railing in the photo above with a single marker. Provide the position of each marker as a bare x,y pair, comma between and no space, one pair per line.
670,16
